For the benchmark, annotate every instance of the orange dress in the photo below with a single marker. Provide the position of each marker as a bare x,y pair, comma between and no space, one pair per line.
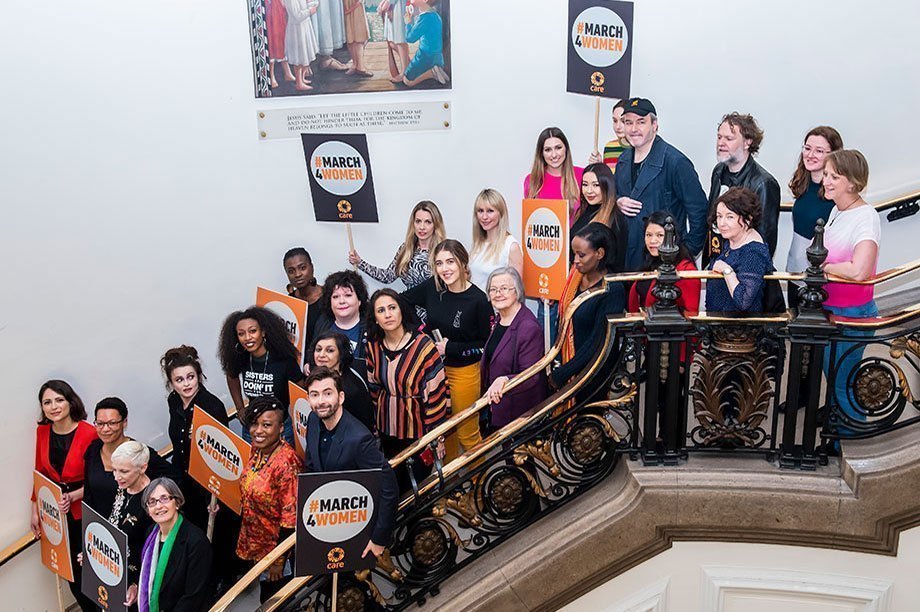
356,30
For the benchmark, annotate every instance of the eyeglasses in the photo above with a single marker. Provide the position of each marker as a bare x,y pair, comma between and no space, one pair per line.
104,424
815,150
153,501
501,290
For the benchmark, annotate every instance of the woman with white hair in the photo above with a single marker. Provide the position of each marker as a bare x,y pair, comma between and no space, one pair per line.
129,466
515,344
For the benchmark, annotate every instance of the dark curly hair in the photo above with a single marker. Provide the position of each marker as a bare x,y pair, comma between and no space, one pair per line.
180,357
277,341
409,319
77,409
345,278
743,202
258,406
346,358
748,128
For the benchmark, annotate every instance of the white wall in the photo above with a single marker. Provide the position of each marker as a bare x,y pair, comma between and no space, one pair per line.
140,207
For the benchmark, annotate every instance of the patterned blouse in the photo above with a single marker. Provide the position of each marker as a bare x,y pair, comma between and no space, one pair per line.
269,501
418,271
408,386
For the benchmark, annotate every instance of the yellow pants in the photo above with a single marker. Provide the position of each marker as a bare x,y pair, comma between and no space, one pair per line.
464,391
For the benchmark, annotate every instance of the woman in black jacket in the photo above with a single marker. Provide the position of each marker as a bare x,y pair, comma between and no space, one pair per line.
333,350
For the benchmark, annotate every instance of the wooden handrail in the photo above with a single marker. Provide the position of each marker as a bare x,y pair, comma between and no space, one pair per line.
879,206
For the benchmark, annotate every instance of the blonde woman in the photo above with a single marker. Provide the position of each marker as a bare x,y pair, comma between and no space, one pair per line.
493,245
410,265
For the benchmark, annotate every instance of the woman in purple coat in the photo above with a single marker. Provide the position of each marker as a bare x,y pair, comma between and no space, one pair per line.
515,344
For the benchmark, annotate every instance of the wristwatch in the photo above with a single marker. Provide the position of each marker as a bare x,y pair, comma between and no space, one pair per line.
727,271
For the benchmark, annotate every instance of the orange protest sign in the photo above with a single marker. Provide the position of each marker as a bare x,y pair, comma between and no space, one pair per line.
55,540
291,310
546,247
300,410
218,458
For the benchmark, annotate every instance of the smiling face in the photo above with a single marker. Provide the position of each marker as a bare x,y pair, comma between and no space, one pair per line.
449,270
502,292
161,506
836,186
654,237
299,271
731,147
618,128
345,303
126,473
587,259
325,399
554,154
55,406
266,430
185,382
640,130
423,224
110,427
249,335
387,314
591,189
326,354
487,216
815,152
729,223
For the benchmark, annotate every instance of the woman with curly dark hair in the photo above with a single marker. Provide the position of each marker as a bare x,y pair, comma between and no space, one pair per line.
343,306
255,347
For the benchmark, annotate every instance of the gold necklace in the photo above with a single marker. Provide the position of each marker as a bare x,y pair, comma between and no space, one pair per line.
398,344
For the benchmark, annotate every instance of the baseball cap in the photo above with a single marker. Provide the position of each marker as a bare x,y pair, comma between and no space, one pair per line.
639,106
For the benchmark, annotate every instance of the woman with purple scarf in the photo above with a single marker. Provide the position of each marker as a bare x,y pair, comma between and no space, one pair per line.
176,561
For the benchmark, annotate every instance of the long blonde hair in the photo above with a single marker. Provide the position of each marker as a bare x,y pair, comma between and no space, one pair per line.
570,188
411,242
481,244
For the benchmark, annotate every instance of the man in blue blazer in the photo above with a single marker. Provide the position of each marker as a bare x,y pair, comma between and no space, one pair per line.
337,442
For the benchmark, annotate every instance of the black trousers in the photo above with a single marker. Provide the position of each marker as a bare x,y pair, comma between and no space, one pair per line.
392,447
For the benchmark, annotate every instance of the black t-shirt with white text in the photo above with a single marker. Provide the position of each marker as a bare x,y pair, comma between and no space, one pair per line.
268,375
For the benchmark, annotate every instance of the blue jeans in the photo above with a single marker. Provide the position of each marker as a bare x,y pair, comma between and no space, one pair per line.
848,360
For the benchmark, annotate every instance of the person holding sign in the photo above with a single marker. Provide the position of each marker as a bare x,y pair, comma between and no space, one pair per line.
493,245
62,438
407,381
337,441
614,148
255,346
594,248
269,491
176,558
459,316
302,285
332,350
654,175
344,303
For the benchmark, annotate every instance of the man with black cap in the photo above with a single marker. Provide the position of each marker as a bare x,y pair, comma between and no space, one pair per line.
652,176
737,141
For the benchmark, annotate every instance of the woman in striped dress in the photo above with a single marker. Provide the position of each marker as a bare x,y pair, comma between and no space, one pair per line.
407,381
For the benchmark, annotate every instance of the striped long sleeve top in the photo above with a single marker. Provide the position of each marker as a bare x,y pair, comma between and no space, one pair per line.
409,387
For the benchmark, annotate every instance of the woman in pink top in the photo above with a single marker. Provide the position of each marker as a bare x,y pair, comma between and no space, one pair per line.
851,236
553,175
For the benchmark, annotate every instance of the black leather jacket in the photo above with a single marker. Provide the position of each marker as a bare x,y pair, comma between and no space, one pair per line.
753,176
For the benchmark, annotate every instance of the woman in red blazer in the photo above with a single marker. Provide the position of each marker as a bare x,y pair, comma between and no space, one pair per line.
61,441
640,294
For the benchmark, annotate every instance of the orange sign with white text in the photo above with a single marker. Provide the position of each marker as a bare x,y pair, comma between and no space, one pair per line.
292,311
300,410
55,540
546,247
218,458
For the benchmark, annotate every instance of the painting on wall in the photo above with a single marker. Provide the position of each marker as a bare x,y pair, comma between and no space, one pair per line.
311,47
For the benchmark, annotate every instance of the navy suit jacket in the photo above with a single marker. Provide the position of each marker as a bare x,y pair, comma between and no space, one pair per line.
355,448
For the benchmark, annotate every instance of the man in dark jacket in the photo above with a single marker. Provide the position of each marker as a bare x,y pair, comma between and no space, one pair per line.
737,141
337,441
652,176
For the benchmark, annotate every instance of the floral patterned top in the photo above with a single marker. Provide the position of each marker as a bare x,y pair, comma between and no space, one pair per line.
269,501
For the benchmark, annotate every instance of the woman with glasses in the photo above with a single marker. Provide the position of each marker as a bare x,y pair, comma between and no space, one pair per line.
176,559
515,344
100,486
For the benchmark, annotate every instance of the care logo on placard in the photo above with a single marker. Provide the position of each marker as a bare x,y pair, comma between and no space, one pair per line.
600,37
543,237
338,168
50,515
103,554
338,511
219,452
302,411
290,320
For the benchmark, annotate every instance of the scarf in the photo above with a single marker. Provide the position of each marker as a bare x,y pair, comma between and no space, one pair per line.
153,559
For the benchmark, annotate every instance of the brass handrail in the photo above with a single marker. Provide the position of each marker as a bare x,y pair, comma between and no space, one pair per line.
884,205
29,539
901,316
875,279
